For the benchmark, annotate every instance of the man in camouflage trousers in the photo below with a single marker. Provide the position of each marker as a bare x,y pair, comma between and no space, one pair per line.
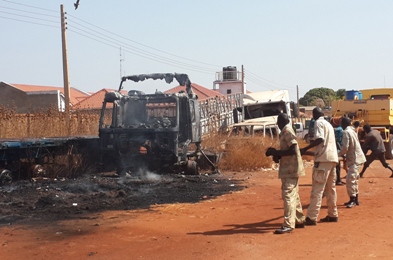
324,171
353,153
291,168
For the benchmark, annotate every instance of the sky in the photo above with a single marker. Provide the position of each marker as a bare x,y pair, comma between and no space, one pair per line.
337,44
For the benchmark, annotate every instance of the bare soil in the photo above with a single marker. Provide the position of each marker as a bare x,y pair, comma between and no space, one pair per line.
227,216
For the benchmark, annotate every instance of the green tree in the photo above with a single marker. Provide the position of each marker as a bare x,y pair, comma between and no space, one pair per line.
326,94
340,93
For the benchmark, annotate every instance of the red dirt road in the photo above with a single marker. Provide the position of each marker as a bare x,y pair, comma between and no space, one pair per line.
239,225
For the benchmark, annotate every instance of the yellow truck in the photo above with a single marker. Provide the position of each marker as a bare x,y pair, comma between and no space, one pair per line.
373,107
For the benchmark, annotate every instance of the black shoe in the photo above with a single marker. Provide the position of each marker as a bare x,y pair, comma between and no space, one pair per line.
347,203
309,222
283,230
329,219
351,204
300,225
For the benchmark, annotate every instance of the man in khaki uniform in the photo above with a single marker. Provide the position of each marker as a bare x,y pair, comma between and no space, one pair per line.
353,153
291,167
324,172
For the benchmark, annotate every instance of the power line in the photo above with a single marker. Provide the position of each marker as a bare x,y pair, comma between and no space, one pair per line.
30,17
128,51
104,38
146,46
257,80
18,10
135,50
30,22
267,81
30,6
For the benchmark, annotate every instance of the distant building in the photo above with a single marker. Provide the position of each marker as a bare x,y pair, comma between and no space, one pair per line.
306,111
30,98
229,81
202,92
95,100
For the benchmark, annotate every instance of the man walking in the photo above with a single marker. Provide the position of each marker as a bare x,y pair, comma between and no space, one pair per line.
352,151
324,172
291,167
338,134
374,142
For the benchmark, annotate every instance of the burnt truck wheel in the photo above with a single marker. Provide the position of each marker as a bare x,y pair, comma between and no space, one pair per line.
389,148
5,177
191,168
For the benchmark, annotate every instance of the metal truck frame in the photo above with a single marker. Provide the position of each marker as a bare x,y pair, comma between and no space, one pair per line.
152,130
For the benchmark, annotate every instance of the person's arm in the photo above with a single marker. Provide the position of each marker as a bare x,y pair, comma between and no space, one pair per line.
318,134
366,144
290,151
316,142
290,140
345,145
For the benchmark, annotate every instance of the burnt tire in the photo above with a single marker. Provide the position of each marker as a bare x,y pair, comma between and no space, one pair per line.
389,148
5,177
191,168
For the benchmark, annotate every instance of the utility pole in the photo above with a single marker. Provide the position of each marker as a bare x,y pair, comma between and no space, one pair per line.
298,110
243,92
121,67
243,87
65,61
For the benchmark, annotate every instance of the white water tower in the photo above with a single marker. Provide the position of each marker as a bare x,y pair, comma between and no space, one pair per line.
229,81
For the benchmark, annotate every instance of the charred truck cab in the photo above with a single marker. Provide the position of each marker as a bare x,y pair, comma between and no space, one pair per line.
151,130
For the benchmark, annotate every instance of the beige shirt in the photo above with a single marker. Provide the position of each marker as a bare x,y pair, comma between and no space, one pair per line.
290,166
351,147
327,150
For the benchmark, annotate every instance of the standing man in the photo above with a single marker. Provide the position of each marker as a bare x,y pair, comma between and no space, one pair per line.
324,172
338,134
374,142
291,168
353,153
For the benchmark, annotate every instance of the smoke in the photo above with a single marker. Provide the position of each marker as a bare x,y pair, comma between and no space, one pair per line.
143,175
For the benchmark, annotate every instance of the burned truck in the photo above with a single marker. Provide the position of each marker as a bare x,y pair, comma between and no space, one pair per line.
153,131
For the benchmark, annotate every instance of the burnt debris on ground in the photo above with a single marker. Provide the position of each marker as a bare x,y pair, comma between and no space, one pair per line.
59,199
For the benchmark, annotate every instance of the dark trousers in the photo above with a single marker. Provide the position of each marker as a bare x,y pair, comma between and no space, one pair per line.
373,156
338,171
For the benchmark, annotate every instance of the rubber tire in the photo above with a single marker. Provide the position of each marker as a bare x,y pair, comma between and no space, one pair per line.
5,177
191,168
389,148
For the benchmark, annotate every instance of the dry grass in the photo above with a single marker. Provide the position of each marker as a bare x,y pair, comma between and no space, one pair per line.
244,153
241,153
48,123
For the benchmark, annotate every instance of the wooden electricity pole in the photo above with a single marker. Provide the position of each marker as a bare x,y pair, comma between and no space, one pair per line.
297,107
65,61
243,87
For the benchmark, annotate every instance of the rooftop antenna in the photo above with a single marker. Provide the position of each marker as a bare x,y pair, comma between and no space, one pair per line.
121,63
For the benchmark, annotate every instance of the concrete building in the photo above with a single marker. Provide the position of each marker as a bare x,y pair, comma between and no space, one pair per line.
30,98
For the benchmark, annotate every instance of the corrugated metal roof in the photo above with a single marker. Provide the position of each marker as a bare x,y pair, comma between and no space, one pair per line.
202,92
76,95
94,101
